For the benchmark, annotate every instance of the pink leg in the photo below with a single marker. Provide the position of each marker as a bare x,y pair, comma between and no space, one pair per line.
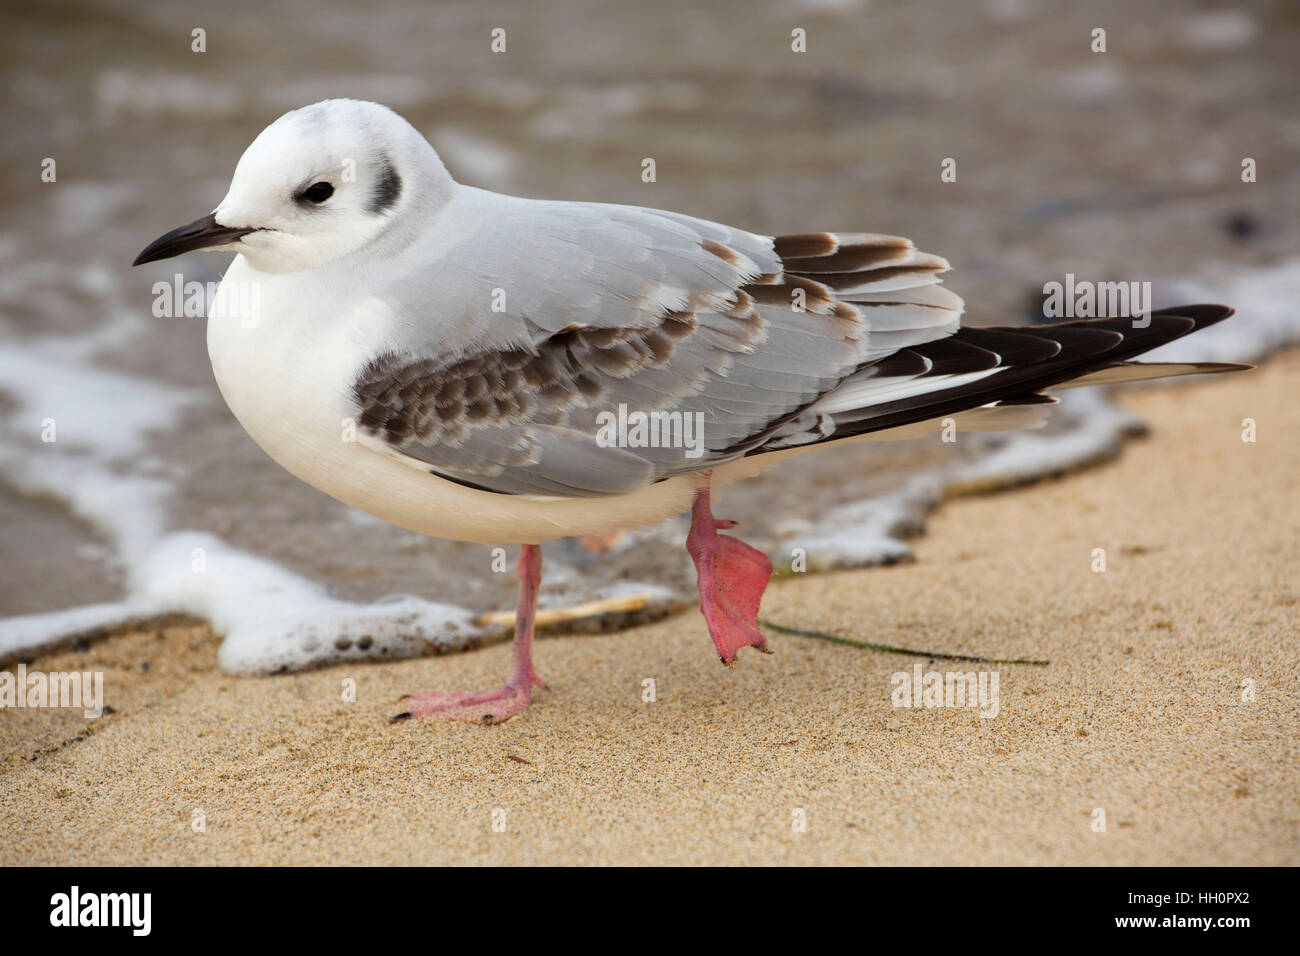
494,706
732,577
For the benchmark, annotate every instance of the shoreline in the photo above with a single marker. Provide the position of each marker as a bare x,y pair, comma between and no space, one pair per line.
1140,714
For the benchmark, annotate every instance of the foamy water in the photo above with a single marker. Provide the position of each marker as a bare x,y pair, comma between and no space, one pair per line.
101,467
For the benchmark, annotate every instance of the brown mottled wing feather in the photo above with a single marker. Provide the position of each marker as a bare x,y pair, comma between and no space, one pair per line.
765,338
771,343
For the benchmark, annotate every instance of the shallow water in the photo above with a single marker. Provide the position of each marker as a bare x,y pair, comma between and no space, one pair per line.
1116,165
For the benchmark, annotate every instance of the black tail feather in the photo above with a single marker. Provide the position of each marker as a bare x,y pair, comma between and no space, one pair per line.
1030,359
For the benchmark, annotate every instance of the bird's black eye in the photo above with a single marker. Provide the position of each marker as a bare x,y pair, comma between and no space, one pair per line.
318,192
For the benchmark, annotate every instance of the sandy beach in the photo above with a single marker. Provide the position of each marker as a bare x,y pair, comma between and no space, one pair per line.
1140,713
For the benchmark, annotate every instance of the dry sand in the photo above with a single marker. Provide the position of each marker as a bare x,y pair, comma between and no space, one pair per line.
1139,714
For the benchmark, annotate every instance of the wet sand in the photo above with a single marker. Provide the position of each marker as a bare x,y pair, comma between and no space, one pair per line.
1140,713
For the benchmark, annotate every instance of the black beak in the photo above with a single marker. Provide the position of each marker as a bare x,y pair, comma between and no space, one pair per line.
200,234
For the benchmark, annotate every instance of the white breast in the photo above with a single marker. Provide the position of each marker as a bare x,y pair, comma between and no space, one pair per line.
285,353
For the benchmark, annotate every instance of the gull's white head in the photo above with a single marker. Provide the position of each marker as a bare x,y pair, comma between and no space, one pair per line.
319,183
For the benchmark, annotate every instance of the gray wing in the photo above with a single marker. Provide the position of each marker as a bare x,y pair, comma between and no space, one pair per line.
724,340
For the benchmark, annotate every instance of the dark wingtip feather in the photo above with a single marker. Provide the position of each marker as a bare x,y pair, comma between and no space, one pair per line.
1063,352
1203,315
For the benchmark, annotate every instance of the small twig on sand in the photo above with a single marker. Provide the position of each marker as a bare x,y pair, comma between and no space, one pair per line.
890,649
550,617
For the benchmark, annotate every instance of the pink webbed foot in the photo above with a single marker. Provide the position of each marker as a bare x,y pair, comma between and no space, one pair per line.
732,577
494,706
472,706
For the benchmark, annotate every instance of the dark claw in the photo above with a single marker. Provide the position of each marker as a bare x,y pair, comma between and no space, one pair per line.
404,715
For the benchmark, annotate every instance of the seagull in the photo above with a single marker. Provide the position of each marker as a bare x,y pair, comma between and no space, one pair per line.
495,369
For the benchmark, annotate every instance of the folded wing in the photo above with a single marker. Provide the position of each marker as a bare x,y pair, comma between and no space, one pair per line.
734,344
614,310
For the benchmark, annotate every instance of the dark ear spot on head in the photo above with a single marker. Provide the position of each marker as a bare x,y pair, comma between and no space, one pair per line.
387,188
